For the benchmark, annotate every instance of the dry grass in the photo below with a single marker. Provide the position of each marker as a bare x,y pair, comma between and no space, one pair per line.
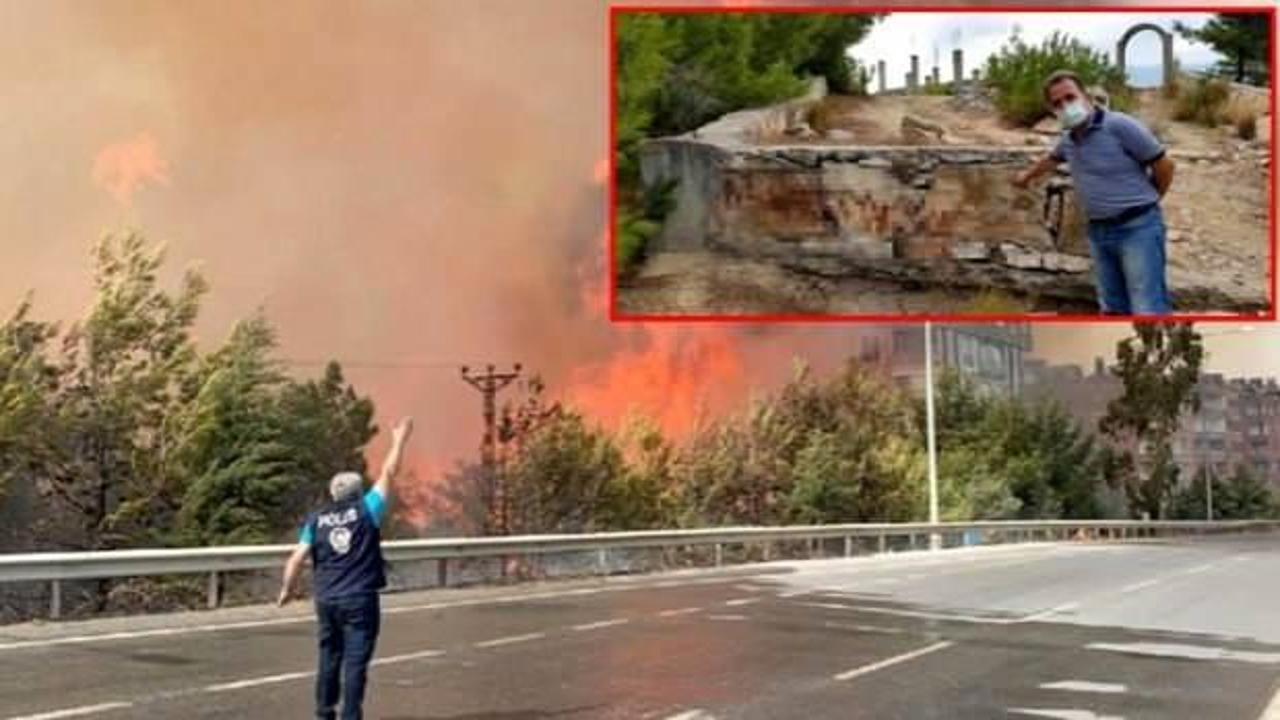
823,117
1247,126
1204,103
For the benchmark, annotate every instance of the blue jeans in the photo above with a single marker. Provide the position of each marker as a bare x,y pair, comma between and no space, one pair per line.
1129,261
348,631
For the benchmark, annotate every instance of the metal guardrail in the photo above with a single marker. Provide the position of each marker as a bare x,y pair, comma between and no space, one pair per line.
56,567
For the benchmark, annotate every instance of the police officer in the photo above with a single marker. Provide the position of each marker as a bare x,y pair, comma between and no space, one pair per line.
343,541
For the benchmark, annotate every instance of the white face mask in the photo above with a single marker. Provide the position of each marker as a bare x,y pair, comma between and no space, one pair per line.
1072,115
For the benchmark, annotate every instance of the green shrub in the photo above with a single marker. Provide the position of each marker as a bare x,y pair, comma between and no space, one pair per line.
638,226
634,234
944,88
1019,70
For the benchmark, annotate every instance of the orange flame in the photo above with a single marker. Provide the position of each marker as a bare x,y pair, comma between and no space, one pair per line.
675,376
678,378
123,167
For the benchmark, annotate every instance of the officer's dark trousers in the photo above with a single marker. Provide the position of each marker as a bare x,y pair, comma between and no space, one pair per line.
348,629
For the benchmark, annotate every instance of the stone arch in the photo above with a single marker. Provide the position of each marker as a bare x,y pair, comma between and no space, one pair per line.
1166,44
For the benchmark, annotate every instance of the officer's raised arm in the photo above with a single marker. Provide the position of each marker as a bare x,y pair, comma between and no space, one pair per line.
391,466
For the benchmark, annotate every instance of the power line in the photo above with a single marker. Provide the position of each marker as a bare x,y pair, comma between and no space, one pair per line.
375,364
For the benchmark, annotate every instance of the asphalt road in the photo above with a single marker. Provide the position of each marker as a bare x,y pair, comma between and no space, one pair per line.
1184,629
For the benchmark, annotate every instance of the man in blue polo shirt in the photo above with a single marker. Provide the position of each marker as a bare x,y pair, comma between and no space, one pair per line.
343,540
1120,172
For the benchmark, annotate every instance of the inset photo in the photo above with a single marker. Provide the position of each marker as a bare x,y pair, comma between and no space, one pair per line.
1114,163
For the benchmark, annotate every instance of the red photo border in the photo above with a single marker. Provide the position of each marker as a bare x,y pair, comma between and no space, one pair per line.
614,316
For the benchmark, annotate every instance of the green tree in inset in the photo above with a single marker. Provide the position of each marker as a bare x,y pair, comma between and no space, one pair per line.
1243,38
1019,70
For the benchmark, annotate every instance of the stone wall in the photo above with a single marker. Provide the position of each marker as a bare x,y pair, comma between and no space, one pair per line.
905,204
911,203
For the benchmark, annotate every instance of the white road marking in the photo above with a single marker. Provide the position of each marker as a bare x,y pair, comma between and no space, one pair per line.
510,640
392,659
793,593
601,624
1188,652
897,659
679,611
865,628
739,602
1085,686
254,682
1064,607
727,617
76,711
1065,714
693,715
1131,587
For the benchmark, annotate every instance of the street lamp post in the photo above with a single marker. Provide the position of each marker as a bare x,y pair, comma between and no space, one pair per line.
1208,467
935,540
1208,491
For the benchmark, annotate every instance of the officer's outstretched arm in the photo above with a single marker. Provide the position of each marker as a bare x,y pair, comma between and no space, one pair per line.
391,466
292,567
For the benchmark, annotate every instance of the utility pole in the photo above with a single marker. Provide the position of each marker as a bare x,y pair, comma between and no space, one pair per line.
489,383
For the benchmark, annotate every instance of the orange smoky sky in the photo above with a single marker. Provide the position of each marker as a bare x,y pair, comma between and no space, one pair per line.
406,185
122,168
